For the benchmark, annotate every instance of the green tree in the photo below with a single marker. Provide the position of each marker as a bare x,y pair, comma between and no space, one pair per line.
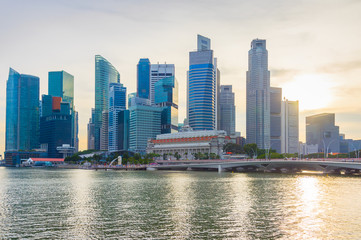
251,150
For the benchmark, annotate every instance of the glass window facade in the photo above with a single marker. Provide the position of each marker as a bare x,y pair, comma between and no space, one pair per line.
143,78
105,74
22,112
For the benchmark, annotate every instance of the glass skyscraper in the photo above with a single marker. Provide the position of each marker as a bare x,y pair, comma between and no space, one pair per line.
105,74
145,122
258,95
22,112
61,84
158,72
227,110
117,103
202,87
166,97
143,78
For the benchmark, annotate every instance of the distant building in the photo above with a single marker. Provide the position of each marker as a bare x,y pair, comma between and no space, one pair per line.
258,95
61,84
143,78
227,110
166,97
104,131
275,118
91,131
321,130
305,149
203,79
186,144
123,130
105,73
117,103
290,129
144,123
22,112
55,125
158,72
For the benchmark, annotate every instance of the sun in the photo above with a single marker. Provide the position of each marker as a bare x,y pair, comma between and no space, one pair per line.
314,91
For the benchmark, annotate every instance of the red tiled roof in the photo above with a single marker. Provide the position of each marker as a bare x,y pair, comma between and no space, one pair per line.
47,159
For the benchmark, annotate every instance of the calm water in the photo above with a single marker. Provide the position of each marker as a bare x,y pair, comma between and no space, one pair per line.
85,204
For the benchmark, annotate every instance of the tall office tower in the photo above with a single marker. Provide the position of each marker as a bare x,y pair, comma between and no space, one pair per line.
143,81
290,139
91,130
105,74
258,95
145,123
202,87
321,130
55,125
123,130
227,110
275,118
117,103
166,97
22,112
158,72
61,84
104,134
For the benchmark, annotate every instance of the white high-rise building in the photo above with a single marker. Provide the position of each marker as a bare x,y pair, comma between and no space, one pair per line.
290,138
158,72
258,95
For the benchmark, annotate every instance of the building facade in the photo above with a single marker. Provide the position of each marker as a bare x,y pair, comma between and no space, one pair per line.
91,131
227,110
143,81
105,74
117,103
321,130
290,126
258,95
55,125
158,72
104,131
123,130
166,97
144,123
22,112
202,87
61,84
275,119
188,143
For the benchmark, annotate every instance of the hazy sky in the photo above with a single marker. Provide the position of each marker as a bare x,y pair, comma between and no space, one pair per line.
314,47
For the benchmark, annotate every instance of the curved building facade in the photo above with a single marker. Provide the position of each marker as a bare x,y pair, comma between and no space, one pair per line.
105,73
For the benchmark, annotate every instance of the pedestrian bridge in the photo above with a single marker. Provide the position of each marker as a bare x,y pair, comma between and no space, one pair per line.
274,165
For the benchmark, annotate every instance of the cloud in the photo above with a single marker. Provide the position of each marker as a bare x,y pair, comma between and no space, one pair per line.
341,67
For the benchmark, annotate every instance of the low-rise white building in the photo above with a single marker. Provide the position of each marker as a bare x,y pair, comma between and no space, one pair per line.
188,143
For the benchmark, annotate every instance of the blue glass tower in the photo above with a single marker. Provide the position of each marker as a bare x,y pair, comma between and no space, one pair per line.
202,87
55,125
61,84
143,78
105,74
22,112
117,103
166,97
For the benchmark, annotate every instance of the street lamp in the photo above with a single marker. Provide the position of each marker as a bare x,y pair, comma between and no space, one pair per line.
326,149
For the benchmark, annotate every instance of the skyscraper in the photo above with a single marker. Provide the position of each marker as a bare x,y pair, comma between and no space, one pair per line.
143,80
91,130
22,112
202,87
227,110
105,74
321,130
290,135
117,103
61,84
258,95
55,125
166,97
104,131
145,122
275,118
158,72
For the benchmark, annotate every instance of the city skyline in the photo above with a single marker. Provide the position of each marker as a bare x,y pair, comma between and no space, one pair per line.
303,51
